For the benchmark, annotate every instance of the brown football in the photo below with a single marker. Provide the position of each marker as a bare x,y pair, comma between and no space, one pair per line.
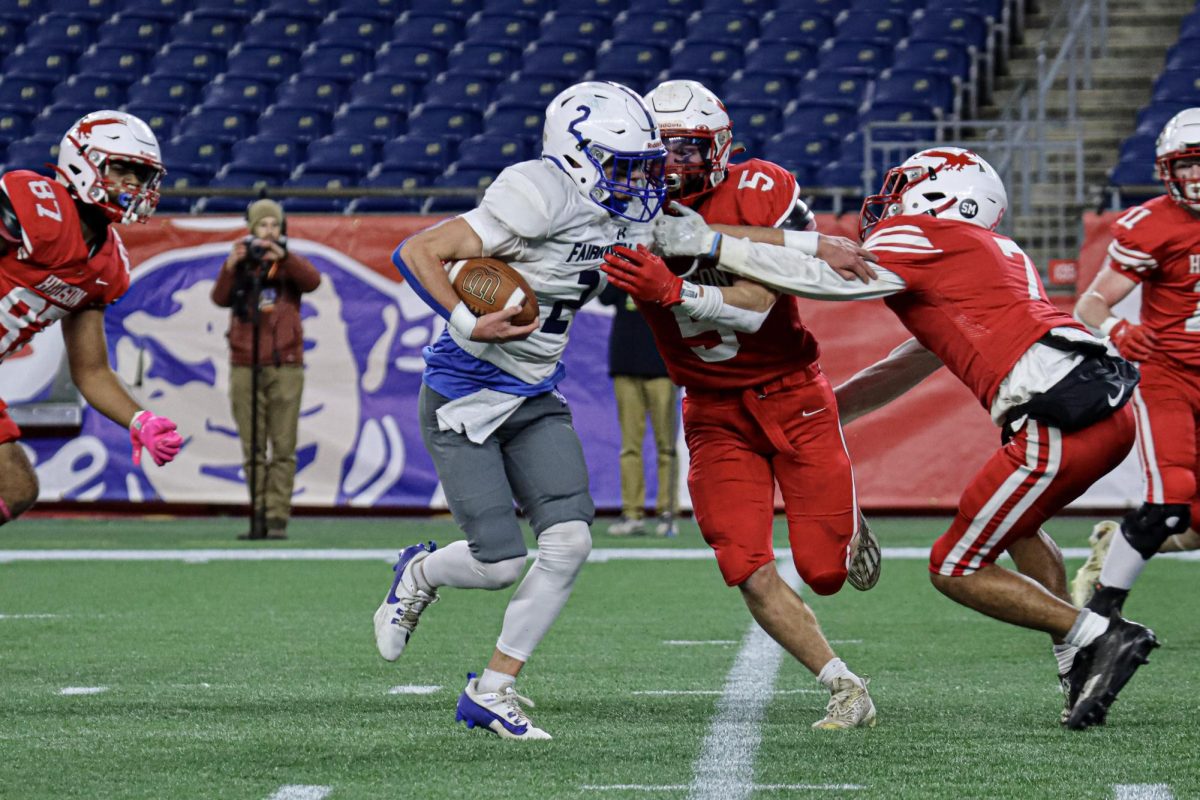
488,284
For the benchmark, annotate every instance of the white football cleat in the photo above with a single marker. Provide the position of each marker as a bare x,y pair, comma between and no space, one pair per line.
497,712
627,526
401,610
866,560
1083,585
850,706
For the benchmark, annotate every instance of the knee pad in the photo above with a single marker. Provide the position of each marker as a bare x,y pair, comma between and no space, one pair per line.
501,574
1147,527
564,547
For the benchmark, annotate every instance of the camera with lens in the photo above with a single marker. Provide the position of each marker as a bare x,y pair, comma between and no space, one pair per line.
252,274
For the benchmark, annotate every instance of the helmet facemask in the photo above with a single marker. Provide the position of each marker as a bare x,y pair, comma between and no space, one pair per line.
630,185
701,158
1184,191
105,192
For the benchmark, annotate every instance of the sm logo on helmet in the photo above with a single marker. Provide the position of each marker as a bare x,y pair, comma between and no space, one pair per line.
482,283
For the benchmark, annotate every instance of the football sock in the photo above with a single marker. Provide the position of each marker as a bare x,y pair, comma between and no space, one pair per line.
1108,600
1065,655
836,668
5,514
562,550
453,565
1122,565
493,681
1087,628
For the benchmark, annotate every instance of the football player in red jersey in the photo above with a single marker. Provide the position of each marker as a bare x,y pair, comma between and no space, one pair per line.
974,301
757,407
61,260
1157,246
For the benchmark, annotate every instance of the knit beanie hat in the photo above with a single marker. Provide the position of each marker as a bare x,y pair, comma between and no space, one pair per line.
263,208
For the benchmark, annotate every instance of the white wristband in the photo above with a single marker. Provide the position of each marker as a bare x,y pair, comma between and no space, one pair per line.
1108,324
804,241
700,304
134,422
462,321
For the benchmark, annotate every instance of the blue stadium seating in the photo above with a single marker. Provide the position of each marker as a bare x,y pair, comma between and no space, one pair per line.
57,119
94,11
380,91
14,125
201,155
59,32
650,27
946,58
491,27
830,7
391,179
752,6
412,62
40,64
227,127
608,8
830,121
10,36
733,29
179,178
318,205
495,62
491,152
310,11
429,30
865,58
775,90
344,30
335,63
568,27
682,6
525,90
1178,85
809,27
458,91
239,12
33,153
234,179
238,94
273,155
1139,146
164,122
789,59
1184,55
303,124
304,92
192,63
22,94
215,34
386,10
168,94
535,9
796,151
81,90
418,153
917,88
516,120
459,10
278,32
165,10
898,112
907,8
841,88
704,61
128,30
1190,27
378,123
1153,117
881,27
430,119
458,179
1133,172
565,61
756,120
267,64
636,65
962,27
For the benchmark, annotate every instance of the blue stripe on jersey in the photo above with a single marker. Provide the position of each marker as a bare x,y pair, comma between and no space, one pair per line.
453,372
412,281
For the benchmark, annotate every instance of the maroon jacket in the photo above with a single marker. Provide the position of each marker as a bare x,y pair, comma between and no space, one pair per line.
281,339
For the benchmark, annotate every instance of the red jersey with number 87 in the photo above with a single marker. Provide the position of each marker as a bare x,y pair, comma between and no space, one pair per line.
50,274
704,355
1157,244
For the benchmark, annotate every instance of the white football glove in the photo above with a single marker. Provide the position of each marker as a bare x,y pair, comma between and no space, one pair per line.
685,235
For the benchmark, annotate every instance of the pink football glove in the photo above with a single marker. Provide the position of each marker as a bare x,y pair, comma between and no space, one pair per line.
644,275
1132,341
157,435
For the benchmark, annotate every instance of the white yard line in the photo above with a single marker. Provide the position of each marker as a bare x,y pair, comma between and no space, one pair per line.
666,692
28,616
414,689
300,791
78,690
689,642
1142,791
758,787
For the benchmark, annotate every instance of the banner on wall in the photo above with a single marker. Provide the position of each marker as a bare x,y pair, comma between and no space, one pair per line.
359,444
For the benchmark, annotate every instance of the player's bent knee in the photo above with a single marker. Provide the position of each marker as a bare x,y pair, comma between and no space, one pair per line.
565,546
18,484
1148,526
825,583
494,535
501,574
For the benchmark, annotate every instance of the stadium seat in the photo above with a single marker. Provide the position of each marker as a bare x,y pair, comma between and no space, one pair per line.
10,36
39,64
310,11
563,26
1177,86
344,30
201,155
565,61
946,58
238,94
757,120
378,123
809,27
380,91
684,7
659,27
235,179
1139,146
186,61
127,30
491,152
459,179
745,147
393,178
473,94
899,112
493,62
907,8
864,58
704,61
729,28
881,27
179,178
636,65
535,9
780,58
228,127
164,122
118,64
1133,172
796,151
215,34
606,8
278,32
318,205
22,94
431,119
775,90
426,154
1152,118
842,88
302,124
268,64
1190,27
57,118
458,10
757,7
34,153
82,90
516,120
1184,55
334,63
274,155
410,62
386,10
830,121
960,27
498,28
168,11
525,89
304,92
917,88
240,11
59,32
428,30
14,125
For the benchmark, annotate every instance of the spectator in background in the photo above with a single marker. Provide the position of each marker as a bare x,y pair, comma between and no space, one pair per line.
261,282
642,388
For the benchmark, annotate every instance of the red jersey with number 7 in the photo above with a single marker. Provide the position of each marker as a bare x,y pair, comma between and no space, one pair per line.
1157,244
51,273
971,296
704,355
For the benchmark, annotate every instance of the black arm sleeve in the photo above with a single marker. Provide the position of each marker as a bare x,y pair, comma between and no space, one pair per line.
801,218
10,226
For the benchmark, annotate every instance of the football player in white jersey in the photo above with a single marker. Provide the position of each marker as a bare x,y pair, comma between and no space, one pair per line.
495,426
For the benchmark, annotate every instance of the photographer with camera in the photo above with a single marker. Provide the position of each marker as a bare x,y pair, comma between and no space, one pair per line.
261,282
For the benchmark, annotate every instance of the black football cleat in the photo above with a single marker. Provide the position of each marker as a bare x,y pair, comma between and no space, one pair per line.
1107,665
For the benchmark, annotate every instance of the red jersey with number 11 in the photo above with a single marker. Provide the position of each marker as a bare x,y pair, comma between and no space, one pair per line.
704,355
50,274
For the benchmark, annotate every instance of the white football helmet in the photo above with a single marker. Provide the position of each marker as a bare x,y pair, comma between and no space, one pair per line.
1180,140
943,182
96,141
604,138
688,113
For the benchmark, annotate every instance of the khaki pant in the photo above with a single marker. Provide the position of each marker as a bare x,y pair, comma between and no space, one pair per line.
279,390
638,398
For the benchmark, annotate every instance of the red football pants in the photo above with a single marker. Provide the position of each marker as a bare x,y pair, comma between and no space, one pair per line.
1025,483
1166,405
9,432
741,442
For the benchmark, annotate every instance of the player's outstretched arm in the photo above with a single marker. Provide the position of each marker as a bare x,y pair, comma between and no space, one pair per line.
1094,309
87,355
421,258
885,380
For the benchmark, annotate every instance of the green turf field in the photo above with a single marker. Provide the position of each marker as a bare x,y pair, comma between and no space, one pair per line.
256,679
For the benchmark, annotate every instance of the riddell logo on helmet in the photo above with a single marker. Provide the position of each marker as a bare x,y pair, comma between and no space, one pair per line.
954,160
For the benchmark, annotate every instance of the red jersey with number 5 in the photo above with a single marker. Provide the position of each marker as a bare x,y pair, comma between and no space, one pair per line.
1157,244
704,355
50,274
972,297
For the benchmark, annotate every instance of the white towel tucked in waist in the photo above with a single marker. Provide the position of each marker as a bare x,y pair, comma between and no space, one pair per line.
478,415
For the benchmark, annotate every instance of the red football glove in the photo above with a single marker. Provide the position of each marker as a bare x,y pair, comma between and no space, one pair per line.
157,435
1132,341
644,275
